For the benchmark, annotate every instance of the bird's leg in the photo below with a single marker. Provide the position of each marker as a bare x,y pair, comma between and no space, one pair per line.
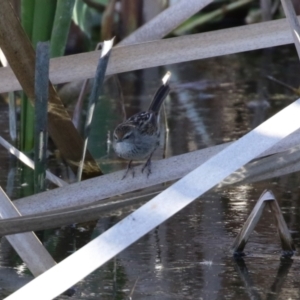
129,167
148,165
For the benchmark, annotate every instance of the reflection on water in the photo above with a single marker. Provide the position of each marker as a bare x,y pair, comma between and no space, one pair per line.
212,101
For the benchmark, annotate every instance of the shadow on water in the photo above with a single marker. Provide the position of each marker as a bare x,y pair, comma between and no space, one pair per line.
212,101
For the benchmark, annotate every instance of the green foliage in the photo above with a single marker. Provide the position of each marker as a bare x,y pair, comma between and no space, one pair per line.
43,20
87,17
61,25
27,13
27,124
213,16
82,16
44,12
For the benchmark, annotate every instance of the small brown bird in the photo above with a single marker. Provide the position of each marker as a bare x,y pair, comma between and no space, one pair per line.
138,137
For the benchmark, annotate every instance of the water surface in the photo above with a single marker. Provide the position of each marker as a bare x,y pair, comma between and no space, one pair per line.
188,257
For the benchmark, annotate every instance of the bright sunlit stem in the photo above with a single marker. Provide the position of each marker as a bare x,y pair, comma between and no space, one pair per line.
166,78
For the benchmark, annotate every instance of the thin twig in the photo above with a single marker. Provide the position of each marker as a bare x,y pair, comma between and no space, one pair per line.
133,288
79,104
296,91
28,162
12,116
97,86
121,96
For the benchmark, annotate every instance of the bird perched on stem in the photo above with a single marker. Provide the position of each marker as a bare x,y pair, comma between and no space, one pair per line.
138,137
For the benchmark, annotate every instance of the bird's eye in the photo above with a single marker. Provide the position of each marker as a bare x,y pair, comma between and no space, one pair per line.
127,136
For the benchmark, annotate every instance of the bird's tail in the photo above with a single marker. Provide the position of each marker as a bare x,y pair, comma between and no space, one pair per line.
160,94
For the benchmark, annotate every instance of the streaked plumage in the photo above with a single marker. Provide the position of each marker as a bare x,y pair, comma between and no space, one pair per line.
138,137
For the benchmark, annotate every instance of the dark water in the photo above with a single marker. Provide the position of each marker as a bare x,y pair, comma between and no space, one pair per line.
188,256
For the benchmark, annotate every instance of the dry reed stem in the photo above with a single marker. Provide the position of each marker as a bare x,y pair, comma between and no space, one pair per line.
163,52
